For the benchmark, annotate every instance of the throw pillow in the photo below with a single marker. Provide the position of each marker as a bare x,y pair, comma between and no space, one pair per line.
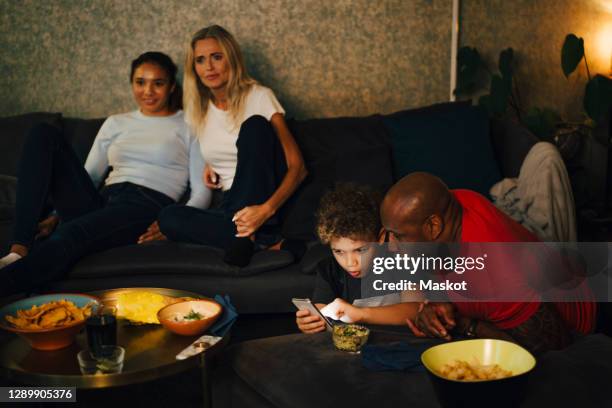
81,134
449,140
335,150
13,131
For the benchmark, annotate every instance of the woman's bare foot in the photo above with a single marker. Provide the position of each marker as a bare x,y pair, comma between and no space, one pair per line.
19,249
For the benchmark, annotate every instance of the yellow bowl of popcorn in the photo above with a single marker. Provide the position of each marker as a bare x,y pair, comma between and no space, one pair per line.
479,373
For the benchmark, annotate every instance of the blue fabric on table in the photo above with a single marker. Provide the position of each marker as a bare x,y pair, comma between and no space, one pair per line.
227,319
399,356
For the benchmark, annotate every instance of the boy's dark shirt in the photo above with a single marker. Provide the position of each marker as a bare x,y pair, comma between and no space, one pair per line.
333,282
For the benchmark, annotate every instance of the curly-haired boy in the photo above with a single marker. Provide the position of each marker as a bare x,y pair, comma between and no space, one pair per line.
348,221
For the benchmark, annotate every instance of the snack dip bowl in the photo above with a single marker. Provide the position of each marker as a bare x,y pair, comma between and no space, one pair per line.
191,317
56,320
483,356
350,337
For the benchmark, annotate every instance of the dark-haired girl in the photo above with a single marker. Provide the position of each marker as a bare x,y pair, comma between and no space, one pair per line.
150,153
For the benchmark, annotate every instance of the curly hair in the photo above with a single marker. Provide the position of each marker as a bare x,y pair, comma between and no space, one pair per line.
349,211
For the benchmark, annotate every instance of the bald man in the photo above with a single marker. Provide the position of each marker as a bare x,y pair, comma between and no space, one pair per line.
420,208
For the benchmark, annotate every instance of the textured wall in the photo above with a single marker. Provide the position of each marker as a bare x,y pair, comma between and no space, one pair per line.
536,29
322,58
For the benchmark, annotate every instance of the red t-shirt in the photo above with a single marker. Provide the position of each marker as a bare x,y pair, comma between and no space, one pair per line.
483,222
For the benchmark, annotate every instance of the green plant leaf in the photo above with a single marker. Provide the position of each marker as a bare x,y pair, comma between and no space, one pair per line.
598,97
500,92
468,65
542,122
571,53
506,58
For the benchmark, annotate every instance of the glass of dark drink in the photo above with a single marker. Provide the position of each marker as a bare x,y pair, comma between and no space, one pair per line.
101,329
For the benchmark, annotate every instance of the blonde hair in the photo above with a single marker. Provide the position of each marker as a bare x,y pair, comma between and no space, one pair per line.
197,96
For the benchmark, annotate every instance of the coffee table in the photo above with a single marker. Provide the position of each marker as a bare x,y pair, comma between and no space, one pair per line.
150,354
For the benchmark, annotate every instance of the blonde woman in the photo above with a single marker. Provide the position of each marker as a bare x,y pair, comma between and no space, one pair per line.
250,153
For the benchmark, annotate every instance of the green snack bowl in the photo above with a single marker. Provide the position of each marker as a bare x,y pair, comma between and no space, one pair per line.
350,337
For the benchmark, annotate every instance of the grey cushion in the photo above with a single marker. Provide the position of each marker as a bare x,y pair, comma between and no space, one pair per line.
13,130
168,257
315,254
335,150
269,292
81,134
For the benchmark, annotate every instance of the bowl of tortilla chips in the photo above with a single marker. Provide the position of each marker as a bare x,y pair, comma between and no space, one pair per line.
48,322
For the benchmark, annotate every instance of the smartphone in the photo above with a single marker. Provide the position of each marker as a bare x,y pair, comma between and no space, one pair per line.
306,304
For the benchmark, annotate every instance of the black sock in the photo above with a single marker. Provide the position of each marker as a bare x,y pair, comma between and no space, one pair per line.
239,252
296,247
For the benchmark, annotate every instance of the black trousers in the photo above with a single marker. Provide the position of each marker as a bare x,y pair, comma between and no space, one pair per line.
260,170
91,221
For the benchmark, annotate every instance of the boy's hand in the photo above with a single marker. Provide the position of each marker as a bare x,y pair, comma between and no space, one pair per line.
349,313
308,323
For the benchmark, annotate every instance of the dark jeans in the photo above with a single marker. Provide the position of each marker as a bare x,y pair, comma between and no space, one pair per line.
260,169
91,221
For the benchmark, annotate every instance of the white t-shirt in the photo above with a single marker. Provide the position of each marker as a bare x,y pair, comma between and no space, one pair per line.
219,135
157,152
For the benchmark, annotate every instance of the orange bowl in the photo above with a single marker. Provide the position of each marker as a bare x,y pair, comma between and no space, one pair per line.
51,338
172,317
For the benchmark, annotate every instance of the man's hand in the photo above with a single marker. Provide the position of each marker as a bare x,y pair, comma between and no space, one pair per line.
308,323
434,320
47,226
210,178
249,219
152,234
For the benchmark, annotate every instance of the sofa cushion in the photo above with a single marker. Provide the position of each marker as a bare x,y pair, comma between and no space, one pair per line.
81,134
449,140
13,130
315,254
336,150
269,292
170,257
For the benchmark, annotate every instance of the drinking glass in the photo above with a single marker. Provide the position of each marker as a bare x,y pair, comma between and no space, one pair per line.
101,329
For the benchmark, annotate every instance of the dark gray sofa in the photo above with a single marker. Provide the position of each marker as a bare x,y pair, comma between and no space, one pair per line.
364,150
